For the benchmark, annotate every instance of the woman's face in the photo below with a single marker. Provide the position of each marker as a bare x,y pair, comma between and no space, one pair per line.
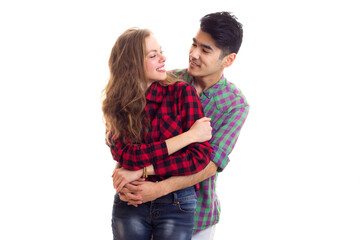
154,60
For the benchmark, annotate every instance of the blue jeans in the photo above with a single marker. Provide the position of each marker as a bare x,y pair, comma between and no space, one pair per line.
170,217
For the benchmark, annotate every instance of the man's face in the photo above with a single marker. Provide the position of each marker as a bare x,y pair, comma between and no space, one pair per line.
204,56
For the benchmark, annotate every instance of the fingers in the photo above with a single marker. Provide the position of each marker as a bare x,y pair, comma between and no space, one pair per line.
138,182
204,119
130,198
133,197
122,176
120,186
123,197
135,203
116,168
132,188
116,180
120,183
119,180
131,191
127,197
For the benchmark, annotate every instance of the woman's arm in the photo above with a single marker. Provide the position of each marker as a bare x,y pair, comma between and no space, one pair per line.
195,156
139,192
138,156
200,131
190,160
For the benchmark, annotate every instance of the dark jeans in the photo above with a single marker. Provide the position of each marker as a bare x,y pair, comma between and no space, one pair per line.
170,217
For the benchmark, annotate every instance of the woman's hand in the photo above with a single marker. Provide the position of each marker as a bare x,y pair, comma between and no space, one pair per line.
138,192
122,176
201,130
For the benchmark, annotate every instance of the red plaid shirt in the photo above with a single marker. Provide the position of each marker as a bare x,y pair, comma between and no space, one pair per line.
171,111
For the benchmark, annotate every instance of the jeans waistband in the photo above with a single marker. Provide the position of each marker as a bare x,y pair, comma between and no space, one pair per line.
174,197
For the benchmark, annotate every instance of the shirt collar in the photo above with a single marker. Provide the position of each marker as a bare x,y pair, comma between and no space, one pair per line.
155,92
216,87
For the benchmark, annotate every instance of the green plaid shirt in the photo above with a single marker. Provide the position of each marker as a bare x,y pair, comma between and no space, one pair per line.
227,107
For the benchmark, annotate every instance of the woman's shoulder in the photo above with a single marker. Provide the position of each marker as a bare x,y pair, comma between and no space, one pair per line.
181,84
183,87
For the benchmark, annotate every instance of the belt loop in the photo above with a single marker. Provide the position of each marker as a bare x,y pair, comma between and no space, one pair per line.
175,198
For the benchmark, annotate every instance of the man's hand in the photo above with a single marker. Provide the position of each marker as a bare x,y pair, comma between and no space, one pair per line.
122,176
139,192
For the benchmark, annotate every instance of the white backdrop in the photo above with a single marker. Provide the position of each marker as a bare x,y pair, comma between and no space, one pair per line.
294,173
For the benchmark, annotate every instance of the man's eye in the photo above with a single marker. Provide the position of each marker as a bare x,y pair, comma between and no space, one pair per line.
194,45
205,51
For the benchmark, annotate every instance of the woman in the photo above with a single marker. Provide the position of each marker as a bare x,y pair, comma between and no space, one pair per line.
148,116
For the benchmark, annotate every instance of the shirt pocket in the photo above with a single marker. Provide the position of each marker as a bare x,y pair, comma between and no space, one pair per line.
170,126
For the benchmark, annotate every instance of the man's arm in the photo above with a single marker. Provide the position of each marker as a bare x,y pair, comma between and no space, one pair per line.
200,131
141,192
223,143
180,182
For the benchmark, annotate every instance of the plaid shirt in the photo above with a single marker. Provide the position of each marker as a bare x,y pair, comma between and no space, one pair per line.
228,109
171,110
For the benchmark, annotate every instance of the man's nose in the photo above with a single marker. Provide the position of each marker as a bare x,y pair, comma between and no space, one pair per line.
195,53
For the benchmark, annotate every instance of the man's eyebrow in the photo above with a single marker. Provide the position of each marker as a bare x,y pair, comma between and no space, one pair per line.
203,45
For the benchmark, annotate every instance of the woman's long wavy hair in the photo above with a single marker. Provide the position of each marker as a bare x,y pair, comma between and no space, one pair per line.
124,95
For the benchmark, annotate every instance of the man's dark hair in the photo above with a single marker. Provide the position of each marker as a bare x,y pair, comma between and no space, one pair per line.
225,29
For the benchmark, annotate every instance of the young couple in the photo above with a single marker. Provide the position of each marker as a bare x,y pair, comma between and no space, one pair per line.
171,133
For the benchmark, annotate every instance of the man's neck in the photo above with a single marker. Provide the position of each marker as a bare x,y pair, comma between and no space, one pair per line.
202,84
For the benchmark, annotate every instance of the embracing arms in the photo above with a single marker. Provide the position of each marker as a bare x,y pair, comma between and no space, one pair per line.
223,142
200,131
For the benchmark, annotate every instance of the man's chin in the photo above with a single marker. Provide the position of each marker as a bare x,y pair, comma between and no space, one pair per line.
193,71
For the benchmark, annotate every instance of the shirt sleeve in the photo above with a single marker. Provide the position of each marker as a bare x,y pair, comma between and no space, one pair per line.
224,139
137,156
194,157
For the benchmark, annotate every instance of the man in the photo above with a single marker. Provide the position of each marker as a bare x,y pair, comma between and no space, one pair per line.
214,48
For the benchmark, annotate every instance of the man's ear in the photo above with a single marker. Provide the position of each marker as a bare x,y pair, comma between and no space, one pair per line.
228,60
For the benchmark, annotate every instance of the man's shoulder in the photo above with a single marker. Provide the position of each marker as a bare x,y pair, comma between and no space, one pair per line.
177,72
181,74
229,96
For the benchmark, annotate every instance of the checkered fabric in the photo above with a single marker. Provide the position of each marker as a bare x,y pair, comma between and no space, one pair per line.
227,107
171,111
